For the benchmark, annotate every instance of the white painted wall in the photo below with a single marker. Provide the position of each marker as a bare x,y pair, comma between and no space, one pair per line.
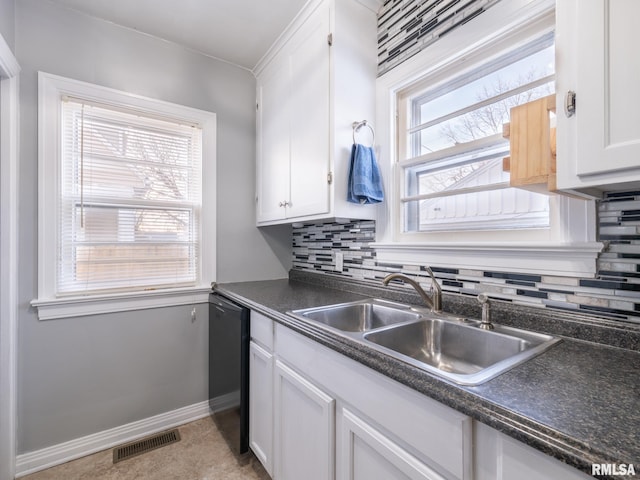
83,375
7,9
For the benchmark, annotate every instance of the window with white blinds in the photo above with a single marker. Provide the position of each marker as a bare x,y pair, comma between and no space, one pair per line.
130,200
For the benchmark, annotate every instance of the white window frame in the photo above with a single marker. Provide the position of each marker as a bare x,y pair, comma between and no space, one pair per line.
51,89
9,268
567,248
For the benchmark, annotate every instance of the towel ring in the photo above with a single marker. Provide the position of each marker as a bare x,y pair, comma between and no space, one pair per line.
358,125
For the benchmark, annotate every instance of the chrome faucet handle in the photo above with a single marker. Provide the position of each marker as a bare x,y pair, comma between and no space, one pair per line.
485,324
436,291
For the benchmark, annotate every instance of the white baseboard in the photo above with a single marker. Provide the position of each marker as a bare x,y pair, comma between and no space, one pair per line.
63,452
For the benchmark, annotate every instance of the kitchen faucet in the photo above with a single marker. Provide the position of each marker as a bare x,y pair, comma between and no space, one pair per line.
434,302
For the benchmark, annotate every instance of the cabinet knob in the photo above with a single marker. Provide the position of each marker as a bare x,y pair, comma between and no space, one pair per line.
284,204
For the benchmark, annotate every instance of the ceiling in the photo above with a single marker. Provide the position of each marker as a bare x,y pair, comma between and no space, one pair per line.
237,31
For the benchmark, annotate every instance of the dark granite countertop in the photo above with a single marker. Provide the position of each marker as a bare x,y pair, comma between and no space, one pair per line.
579,401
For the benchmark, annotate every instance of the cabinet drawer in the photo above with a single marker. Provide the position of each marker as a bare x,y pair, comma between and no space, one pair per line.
436,434
262,330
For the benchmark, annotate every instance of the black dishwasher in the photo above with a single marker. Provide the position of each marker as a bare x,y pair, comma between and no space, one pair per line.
229,338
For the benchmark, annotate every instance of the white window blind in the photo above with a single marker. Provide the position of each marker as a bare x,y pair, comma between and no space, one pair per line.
451,145
130,200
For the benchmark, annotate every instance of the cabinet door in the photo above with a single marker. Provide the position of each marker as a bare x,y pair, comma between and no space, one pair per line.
499,457
366,454
273,119
309,101
304,428
261,405
597,59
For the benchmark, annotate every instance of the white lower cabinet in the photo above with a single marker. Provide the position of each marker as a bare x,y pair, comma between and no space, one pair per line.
304,435
364,453
261,405
404,433
316,414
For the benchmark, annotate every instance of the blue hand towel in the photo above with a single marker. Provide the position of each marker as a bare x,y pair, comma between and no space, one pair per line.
365,183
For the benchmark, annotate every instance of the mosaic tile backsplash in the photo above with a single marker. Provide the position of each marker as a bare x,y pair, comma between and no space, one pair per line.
614,292
407,26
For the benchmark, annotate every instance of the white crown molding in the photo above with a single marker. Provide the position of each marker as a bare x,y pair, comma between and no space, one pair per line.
63,452
287,33
296,23
373,5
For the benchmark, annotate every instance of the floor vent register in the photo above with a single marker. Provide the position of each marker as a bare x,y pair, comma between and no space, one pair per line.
145,445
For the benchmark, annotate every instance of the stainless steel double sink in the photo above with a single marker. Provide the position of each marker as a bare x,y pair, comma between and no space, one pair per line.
452,347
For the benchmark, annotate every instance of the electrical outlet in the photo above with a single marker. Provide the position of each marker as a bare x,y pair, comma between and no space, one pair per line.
339,261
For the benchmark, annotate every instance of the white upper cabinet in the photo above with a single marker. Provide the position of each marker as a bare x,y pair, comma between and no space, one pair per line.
316,80
599,146
309,120
273,141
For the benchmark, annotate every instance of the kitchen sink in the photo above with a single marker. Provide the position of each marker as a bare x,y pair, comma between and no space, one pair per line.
360,316
462,353
451,347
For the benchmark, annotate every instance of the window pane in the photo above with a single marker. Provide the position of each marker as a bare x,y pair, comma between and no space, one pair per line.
454,178
109,159
533,67
105,266
480,123
505,209
468,175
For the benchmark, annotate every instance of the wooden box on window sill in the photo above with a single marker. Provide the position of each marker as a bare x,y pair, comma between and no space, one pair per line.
532,160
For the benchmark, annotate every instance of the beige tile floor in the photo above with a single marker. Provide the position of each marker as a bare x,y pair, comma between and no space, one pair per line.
201,454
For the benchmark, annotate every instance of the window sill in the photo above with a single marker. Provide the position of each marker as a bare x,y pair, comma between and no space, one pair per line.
566,260
66,307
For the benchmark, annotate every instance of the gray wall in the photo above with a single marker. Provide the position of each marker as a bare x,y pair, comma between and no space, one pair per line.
7,9
83,375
